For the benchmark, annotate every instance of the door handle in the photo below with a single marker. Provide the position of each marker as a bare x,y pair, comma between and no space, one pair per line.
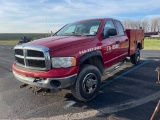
117,42
126,39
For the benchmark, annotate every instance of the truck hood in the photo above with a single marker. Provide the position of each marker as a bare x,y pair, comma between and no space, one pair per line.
58,42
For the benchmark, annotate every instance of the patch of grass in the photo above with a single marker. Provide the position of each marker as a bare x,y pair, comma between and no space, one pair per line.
8,42
151,44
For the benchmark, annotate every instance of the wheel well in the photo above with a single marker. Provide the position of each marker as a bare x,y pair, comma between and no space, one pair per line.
139,45
96,61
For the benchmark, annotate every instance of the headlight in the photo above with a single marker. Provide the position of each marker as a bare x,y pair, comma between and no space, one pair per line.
63,62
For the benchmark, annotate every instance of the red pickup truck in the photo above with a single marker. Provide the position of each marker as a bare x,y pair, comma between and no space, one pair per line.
76,56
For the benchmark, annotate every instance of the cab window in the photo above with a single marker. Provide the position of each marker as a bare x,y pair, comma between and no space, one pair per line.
119,27
108,25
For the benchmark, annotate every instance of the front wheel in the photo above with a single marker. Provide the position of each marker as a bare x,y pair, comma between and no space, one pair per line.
88,83
135,58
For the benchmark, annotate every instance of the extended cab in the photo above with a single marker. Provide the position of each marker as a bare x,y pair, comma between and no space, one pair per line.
75,57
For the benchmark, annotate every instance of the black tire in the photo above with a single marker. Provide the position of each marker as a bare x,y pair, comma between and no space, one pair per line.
88,83
135,58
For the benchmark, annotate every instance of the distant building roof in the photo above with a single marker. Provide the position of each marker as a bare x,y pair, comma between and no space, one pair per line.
148,34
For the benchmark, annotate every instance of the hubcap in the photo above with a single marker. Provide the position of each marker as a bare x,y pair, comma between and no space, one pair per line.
90,83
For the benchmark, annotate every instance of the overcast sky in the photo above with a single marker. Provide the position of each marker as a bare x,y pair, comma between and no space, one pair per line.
40,16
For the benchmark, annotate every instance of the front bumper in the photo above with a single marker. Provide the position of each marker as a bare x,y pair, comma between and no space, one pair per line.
48,83
52,79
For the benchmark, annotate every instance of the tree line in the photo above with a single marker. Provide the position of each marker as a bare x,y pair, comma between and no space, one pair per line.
149,25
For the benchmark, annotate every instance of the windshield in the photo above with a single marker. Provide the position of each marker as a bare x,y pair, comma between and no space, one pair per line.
83,28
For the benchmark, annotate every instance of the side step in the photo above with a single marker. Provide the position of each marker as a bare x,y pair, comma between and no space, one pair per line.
116,67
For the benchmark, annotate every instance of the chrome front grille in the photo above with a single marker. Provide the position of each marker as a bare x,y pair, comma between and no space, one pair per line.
32,56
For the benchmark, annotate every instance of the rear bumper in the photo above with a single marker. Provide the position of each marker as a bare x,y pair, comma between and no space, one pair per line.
48,83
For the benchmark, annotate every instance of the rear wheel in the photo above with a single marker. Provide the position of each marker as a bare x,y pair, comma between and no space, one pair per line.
88,83
135,58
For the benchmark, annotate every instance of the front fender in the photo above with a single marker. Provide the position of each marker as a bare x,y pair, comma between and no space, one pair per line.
88,55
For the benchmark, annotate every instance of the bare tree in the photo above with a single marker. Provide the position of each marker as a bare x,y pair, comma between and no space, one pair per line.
155,24
127,24
148,25
137,24
145,25
130,24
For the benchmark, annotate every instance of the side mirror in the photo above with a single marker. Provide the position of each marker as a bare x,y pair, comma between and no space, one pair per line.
109,32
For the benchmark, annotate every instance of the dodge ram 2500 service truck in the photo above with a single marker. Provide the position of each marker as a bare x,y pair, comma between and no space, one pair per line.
75,57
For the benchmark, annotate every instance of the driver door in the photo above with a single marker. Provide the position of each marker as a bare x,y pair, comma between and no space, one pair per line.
110,45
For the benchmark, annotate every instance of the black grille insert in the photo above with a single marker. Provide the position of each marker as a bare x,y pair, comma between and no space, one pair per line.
20,60
33,53
36,63
19,52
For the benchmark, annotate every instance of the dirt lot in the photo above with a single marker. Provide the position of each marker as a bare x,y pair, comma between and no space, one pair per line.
129,93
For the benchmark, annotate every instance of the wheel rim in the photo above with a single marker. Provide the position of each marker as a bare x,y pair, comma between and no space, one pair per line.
137,56
90,82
